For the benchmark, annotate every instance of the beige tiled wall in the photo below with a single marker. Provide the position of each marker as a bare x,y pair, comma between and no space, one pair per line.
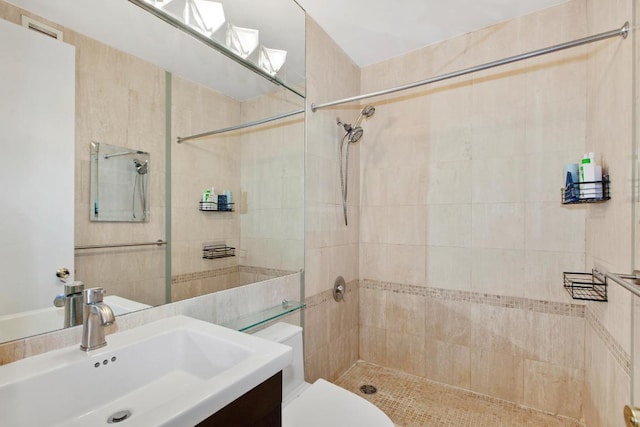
197,165
608,226
272,183
331,248
526,351
460,192
460,181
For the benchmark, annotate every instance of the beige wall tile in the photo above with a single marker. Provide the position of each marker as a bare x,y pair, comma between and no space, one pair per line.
406,352
498,271
373,345
497,374
403,313
449,267
498,226
449,225
553,389
449,363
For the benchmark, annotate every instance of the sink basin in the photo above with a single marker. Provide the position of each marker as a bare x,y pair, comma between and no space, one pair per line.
173,372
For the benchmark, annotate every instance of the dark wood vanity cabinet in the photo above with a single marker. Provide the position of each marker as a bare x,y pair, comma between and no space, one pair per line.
259,407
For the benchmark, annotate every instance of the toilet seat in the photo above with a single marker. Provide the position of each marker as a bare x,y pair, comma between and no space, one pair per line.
324,404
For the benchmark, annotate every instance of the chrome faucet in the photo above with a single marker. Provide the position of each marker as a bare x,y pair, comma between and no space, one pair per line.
71,300
96,315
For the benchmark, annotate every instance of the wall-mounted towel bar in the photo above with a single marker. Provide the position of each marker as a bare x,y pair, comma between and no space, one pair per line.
122,245
623,280
620,32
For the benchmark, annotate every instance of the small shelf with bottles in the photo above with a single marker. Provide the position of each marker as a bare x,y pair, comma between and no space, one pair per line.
586,192
216,206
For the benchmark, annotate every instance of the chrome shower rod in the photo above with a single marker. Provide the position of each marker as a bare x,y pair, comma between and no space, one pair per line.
242,126
621,32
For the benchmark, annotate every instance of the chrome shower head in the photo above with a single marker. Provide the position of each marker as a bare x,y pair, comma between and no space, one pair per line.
368,111
141,168
355,134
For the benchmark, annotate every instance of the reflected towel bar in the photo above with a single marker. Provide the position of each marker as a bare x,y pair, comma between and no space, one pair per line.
242,126
121,245
621,279
621,32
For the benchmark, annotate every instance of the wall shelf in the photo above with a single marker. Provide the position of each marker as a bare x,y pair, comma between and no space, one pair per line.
253,320
217,251
215,207
586,286
586,192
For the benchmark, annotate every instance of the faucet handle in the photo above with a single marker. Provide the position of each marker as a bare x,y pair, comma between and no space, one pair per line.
93,295
59,300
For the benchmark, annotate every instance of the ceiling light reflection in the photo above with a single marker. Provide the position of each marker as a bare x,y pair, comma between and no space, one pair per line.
205,16
242,41
271,60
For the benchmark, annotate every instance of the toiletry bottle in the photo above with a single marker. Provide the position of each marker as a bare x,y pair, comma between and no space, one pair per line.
571,186
229,199
590,174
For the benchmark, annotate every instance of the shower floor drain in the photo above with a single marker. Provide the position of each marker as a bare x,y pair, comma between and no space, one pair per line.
368,389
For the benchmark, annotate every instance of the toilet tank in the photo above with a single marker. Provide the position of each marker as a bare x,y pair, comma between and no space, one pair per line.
291,335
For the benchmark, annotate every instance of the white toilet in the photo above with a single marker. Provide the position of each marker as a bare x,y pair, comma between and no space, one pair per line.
322,403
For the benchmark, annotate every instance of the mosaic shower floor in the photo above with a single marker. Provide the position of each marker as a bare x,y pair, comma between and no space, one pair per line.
412,401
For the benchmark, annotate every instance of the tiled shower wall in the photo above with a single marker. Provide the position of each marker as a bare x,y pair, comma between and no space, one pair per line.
463,239
608,226
331,248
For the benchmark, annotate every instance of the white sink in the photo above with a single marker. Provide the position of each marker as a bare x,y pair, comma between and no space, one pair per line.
173,372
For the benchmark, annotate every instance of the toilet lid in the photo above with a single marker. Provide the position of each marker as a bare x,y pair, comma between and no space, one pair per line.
324,404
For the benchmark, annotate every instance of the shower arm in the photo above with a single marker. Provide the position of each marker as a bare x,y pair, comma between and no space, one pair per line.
620,32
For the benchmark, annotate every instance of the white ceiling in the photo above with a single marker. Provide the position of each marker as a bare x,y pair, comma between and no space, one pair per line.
370,31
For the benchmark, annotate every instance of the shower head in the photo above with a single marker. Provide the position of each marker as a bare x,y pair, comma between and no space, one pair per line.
141,168
368,111
355,134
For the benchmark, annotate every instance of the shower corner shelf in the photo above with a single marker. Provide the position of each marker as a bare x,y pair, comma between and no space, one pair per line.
217,251
586,286
214,207
253,320
586,192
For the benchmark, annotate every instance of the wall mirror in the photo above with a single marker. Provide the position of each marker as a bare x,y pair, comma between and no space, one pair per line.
119,183
144,83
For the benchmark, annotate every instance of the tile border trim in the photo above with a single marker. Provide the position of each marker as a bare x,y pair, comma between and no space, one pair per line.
617,351
540,306
199,275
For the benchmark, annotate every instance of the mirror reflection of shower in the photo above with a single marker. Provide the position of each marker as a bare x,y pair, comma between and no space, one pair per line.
139,187
353,133
119,183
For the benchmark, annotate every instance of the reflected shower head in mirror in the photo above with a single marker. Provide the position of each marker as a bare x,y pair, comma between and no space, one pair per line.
141,167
